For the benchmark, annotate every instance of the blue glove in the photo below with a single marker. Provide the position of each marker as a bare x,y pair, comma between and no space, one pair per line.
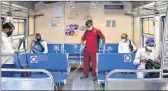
81,48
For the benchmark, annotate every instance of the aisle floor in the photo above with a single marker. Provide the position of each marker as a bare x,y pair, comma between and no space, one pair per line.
75,83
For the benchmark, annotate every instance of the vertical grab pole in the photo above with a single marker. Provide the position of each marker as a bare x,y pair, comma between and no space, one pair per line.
164,41
64,29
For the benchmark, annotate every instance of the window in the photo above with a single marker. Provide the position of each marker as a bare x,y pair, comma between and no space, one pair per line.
15,23
147,29
111,23
147,26
31,25
151,26
19,26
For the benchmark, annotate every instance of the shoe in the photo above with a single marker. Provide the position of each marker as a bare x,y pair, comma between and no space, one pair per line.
94,78
83,77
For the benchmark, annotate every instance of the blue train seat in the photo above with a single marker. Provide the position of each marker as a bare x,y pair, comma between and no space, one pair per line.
72,49
52,62
109,61
111,48
54,48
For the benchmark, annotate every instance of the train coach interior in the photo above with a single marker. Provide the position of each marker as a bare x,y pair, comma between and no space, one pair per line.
61,67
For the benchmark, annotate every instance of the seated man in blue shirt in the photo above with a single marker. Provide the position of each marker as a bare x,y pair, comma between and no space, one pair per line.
39,45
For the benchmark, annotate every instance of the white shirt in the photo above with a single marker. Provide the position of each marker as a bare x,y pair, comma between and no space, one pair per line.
7,49
44,44
123,47
143,53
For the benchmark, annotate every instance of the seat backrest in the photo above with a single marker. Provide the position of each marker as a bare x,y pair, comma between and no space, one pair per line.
113,47
49,61
109,61
22,58
72,49
54,48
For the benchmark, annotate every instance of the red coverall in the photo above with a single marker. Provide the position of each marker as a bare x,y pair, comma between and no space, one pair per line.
91,49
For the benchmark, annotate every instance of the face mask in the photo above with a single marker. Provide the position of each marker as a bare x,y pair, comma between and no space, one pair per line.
150,48
38,39
90,28
9,33
123,40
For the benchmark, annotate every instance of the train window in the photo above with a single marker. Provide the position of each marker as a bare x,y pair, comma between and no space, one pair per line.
145,25
15,23
147,29
19,26
111,23
151,26
31,25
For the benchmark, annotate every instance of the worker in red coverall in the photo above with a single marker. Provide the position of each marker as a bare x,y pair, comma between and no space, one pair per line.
91,48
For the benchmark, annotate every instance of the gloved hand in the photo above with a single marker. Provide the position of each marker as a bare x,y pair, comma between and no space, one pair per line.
81,48
102,48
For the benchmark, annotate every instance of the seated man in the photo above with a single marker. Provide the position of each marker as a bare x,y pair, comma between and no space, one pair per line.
126,45
39,46
145,54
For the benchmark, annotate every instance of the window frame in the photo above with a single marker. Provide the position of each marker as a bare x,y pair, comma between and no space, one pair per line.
18,26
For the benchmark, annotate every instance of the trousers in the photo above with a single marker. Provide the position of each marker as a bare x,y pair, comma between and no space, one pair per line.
87,58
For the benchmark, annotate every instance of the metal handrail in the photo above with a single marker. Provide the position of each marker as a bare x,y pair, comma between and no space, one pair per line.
32,70
123,70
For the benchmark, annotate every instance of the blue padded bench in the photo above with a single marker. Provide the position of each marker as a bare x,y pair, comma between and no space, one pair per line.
72,49
52,62
54,48
109,61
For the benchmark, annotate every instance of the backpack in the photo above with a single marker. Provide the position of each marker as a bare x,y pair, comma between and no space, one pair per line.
152,65
37,47
99,41
131,47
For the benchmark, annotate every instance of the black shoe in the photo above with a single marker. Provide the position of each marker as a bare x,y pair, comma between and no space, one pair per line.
84,76
94,78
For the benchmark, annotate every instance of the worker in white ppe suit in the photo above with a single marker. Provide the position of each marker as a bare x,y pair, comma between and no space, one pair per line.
7,48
